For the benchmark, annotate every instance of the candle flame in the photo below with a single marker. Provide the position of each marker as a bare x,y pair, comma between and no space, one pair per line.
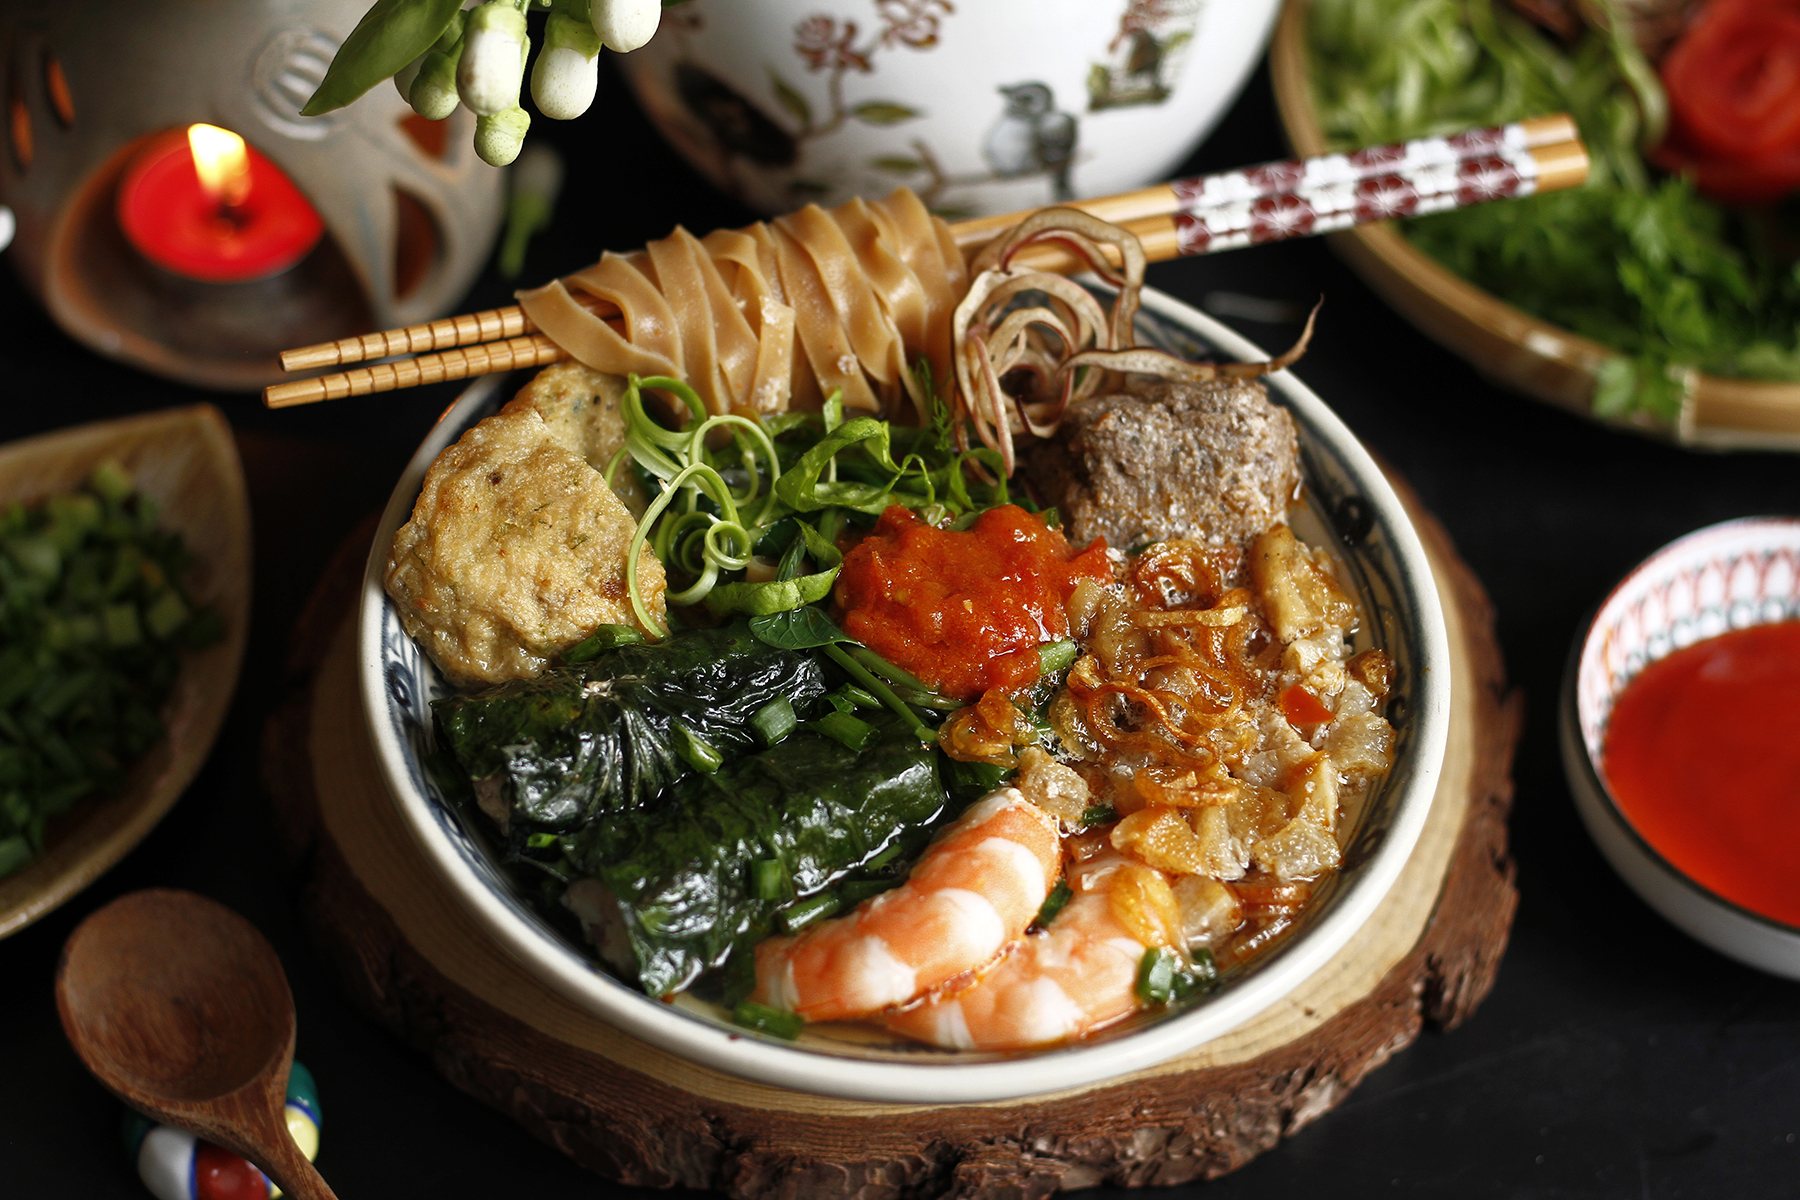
222,163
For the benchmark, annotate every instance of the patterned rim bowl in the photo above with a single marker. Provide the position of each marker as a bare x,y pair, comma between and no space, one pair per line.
1728,576
1347,506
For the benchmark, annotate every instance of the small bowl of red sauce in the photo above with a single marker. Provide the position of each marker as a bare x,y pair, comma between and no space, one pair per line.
1681,736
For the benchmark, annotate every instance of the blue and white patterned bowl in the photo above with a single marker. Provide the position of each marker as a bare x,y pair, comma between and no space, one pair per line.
1728,576
1347,505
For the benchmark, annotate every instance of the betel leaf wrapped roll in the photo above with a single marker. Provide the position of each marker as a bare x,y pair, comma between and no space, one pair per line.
677,891
607,736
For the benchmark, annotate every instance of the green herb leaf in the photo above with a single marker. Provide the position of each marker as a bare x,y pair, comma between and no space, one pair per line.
389,36
801,490
770,596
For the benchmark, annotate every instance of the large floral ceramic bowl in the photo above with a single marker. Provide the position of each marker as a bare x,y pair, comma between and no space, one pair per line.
1724,577
1348,506
980,106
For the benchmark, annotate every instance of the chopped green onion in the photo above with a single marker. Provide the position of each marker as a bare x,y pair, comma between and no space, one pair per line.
1098,814
876,687
539,841
763,1019
1055,657
36,556
854,891
1059,897
121,624
698,754
1156,975
794,919
112,482
769,879
15,852
844,728
1200,974
888,671
774,720
604,638
858,697
166,615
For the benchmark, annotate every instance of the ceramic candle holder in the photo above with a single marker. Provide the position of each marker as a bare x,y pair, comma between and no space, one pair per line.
980,106
410,213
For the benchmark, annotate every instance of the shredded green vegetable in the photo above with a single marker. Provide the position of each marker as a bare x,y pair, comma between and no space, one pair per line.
1644,264
92,625
806,473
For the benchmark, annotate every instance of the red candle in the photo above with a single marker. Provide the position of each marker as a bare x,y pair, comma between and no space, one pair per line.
230,217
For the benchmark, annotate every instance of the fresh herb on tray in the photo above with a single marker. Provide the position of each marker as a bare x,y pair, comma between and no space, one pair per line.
1644,264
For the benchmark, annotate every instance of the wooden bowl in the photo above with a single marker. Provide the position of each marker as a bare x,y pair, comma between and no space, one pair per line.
186,461
1515,348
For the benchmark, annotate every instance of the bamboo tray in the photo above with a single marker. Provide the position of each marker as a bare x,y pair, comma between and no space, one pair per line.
186,461
1515,348
404,949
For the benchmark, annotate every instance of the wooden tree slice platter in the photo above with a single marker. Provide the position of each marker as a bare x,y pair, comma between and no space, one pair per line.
637,1114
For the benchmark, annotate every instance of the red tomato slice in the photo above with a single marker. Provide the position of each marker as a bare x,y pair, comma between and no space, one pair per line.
1734,81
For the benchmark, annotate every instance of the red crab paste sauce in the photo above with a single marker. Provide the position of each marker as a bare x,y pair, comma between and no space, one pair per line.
1703,755
964,611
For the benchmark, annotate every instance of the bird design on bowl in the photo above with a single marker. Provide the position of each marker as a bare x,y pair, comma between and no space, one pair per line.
1033,137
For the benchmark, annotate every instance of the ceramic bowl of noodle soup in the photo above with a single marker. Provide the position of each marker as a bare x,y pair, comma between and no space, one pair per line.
1346,507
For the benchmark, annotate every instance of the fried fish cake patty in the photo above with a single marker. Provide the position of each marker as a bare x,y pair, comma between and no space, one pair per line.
515,552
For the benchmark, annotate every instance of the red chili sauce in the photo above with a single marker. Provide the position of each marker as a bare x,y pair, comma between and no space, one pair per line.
1703,755
964,611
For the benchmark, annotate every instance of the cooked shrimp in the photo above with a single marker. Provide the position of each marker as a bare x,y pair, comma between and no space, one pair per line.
972,892
1077,975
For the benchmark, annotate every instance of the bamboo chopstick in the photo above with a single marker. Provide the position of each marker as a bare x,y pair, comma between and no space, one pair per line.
1271,202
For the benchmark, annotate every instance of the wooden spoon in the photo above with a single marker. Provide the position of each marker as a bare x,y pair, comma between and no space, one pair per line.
180,1007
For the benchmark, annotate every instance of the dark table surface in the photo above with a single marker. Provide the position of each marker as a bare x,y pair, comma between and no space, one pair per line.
1615,1057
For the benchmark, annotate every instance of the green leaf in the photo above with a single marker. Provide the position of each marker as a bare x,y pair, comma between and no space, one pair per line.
883,112
389,36
792,101
799,487
897,165
772,596
797,629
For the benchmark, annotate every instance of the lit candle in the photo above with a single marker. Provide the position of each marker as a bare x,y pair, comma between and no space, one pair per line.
208,207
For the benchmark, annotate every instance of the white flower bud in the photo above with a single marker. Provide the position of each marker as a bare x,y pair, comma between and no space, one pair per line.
567,70
563,82
404,80
433,93
493,60
498,136
624,25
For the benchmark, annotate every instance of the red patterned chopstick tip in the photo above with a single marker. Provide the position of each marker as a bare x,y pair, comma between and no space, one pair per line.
1299,198
1334,170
